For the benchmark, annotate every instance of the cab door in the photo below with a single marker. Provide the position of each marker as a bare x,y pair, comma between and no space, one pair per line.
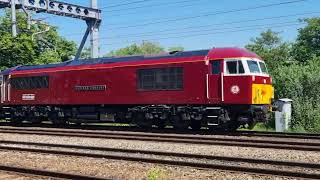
237,83
215,82
5,89
1,89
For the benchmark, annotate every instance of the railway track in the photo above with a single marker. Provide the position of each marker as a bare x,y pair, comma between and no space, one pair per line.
276,135
173,131
246,165
46,174
172,138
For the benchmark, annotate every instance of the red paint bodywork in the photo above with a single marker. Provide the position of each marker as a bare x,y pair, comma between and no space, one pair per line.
121,82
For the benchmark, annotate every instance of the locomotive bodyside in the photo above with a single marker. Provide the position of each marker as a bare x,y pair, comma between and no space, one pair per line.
215,88
118,82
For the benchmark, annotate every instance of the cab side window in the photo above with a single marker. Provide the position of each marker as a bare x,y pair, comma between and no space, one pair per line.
216,67
234,67
35,82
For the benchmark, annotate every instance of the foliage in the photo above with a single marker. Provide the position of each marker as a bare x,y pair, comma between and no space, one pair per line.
48,56
135,49
263,127
48,47
271,48
156,174
176,48
307,45
295,70
143,49
300,82
16,51
86,53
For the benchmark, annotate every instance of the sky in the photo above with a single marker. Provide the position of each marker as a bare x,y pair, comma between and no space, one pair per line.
192,24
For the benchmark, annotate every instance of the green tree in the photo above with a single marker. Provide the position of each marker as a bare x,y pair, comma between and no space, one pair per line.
271,48
136,49
48,56
143,49
307,45
16,51
48,47
151,48
299,82
51,41
86,53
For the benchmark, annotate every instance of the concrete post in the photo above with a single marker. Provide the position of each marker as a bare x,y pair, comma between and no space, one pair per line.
94,32
13,18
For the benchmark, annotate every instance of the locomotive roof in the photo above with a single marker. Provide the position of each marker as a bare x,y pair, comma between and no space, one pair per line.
216,53
109,60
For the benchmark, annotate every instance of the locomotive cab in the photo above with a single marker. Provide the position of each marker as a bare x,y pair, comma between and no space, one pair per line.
243,86
247,81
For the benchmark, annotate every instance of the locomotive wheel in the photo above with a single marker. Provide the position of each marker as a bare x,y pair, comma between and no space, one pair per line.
16,121
142,121
59,122
35,120
179,123
56,120
195,125
161,123
78,124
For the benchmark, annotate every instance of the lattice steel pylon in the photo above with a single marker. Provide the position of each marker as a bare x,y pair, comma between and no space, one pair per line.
91,15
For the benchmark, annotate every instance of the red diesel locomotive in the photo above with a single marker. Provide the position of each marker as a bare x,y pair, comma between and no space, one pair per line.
220,88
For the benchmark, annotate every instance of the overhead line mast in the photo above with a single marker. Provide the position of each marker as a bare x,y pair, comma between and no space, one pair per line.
92,16
13,18
94,34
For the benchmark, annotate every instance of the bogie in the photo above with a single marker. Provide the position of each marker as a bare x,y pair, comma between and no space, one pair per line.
142,120
146,117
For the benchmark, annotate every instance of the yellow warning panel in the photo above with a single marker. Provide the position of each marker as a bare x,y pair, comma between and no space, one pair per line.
262,93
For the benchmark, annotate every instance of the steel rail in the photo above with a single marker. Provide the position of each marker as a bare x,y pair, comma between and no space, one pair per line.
44,173
172,131
142,134
277,134
176,162
304,146
161,153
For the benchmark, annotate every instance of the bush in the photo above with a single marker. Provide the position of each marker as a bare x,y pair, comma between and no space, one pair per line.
300,82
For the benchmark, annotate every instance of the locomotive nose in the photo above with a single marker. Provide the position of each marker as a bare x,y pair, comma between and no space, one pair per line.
262,93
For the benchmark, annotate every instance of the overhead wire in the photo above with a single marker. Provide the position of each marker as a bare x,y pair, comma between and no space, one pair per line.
207,25
133,13
150,5
205,34
217,13
150,33
182,18
205,30
126,3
